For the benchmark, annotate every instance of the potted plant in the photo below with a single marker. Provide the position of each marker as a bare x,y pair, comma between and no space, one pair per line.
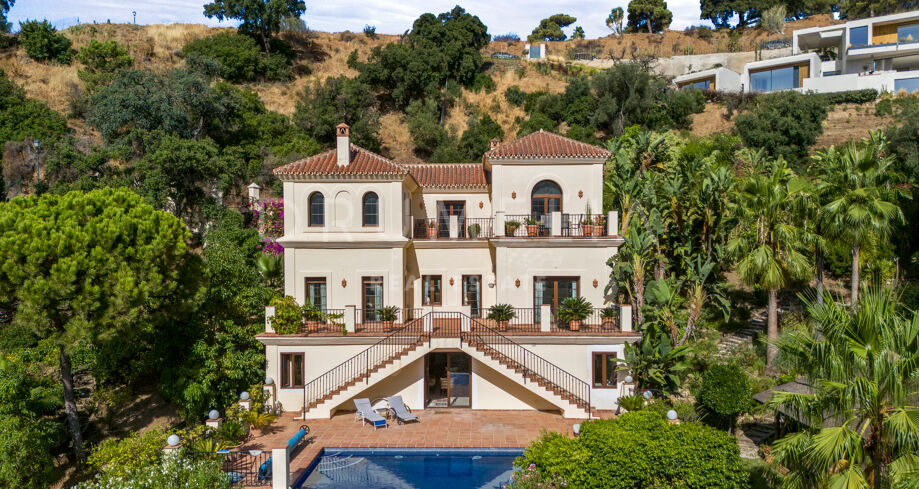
573,310
598,225
608,316
313,316
473,230
532,226
501,314
432,229
587,224
388,315
510,227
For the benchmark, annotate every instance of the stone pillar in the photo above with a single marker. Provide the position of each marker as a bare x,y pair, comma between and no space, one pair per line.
213,423
246,404
280,468
254,192
269,313
625,318
556,221
545,318
466,323
499,223
542,51
612,223
454,227
349,318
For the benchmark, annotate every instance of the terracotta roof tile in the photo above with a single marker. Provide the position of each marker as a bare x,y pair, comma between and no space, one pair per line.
547,144
448,174
363,162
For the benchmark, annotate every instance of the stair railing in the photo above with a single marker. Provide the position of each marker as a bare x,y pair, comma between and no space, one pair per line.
530,362
360,365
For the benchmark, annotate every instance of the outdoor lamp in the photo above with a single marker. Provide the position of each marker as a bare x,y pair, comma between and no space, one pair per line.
36,144
671,415
269,381
646,394
213,414
628,379
244,396
173,440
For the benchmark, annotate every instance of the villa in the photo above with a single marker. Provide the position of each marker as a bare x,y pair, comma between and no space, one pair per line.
444,243
880,53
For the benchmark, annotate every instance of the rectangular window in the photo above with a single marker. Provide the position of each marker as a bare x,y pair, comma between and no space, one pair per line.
777,79
316,292
908,33
858,36
291,370
909,85
699,85
604,367
431,290
372,300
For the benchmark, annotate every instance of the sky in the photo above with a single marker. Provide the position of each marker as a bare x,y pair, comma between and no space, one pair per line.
389,16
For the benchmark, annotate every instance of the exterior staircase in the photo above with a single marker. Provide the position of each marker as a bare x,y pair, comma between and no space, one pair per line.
321,396
745,336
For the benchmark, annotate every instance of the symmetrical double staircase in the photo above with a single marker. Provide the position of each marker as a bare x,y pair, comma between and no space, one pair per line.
419,336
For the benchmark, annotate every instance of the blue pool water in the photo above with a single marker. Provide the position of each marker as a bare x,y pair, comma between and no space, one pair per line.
420,468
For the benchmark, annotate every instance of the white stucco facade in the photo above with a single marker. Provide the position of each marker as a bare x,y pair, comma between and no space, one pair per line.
362,232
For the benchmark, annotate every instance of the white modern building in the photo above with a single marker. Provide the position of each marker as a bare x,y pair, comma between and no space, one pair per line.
444,243
880,53
721,79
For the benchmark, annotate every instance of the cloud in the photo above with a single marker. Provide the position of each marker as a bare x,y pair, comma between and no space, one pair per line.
389,16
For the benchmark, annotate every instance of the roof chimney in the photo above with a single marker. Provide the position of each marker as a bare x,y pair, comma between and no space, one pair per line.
343,148
495,143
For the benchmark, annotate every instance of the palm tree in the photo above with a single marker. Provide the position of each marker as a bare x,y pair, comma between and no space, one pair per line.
767,241
863,369
861,195
271,268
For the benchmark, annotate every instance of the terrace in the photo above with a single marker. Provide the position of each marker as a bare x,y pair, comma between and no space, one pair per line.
551,225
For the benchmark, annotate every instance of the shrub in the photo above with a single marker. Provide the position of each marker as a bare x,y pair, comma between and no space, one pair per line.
850,97
238,56
118,457
501,312
370,31
42,42
574,309
388,313
773,19
631,403
784,123
725,391
685,410
173,472
509,38
640,449
22,117
102,60
515,96
288,316
483,82
26,448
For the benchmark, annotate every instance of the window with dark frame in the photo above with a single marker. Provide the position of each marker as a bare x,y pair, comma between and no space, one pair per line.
291,370
431,290
371,213
371,297
604,370
317,209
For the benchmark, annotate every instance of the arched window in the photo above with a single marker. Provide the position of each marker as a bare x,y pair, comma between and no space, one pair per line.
546,198
317,209
371,206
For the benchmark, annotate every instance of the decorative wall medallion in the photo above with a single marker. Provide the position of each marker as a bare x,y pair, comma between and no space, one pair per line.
517,283
451,280
481,204
596,283
513,195
344,283
580,194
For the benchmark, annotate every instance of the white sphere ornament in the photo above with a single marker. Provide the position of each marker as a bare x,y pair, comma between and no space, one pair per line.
244,395
629,379
671,415
173,440
213,414
269,381
647,395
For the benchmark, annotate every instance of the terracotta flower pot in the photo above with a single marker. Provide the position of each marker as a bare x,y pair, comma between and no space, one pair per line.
598,230
502,325
608,324
574,325
532,229
432,232
387,325
312,326
587,229
510,230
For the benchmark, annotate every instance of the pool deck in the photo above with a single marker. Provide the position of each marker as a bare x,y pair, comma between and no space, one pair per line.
436,428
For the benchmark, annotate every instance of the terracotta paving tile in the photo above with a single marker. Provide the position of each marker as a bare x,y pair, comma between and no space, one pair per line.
435,429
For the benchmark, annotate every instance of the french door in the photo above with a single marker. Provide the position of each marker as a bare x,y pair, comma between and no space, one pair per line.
445,209
316,292
448,377
371,297
552,291
472,294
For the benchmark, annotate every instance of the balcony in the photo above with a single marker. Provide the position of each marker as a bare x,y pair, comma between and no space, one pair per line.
552,225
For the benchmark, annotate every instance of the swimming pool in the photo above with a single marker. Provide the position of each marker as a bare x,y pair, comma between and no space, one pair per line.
418,468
